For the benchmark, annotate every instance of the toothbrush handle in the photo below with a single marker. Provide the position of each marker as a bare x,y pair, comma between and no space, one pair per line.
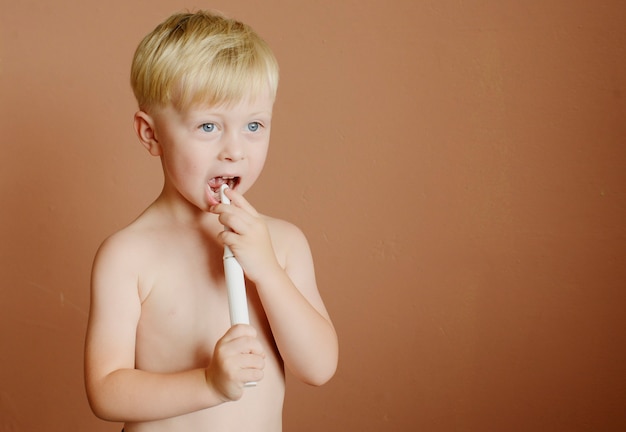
236,288
235,285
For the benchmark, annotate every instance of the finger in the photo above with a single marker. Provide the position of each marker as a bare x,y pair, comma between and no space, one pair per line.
255,362
238,200
242,339
247,346
238,331
230,220
251,376
255,348
232,217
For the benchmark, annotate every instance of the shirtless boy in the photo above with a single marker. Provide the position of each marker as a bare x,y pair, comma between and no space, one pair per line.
160,352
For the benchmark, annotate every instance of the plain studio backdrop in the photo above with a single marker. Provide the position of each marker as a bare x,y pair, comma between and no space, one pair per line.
459,168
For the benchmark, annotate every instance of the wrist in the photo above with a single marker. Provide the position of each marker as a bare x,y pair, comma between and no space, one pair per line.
268,274
214,395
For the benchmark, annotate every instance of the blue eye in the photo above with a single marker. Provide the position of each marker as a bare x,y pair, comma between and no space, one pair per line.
208,127
254,126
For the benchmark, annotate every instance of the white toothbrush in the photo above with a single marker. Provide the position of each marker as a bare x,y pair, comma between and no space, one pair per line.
235,284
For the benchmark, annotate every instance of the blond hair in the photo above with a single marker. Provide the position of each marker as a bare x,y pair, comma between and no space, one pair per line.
201,57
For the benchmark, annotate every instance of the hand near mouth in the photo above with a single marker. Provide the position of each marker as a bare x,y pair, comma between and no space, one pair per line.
248,236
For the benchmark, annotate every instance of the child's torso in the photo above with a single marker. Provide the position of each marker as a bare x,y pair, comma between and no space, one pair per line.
184,313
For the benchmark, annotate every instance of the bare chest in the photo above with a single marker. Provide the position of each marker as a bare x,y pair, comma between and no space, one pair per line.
184,310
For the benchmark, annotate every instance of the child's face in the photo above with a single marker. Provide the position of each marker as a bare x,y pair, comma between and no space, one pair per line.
206,146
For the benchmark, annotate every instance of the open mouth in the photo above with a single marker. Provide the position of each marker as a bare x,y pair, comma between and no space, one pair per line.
216,182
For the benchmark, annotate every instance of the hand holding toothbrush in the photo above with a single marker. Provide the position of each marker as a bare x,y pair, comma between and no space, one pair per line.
246,235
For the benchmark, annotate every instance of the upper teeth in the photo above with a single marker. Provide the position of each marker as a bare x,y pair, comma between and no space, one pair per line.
218,181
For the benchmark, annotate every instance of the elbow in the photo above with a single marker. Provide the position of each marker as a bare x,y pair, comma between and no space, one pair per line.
318,379
324,370
321,376
100,405
99,408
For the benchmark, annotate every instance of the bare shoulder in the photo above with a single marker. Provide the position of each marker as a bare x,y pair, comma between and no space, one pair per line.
127,243
293,252
139,236
125,254
287,238
282,228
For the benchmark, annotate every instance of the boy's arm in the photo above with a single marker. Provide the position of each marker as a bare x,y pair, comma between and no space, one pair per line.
300,323
115,389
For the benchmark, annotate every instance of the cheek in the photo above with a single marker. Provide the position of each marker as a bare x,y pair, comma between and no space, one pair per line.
181,167
256,161
259,160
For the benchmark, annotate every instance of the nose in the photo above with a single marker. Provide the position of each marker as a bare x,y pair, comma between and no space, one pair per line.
232,148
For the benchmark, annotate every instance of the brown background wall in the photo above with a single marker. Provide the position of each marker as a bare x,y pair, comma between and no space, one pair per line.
458,166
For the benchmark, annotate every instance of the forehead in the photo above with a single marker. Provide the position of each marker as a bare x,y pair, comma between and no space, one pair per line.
244,108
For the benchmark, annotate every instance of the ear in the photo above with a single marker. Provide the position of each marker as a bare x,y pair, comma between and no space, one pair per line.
144,127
